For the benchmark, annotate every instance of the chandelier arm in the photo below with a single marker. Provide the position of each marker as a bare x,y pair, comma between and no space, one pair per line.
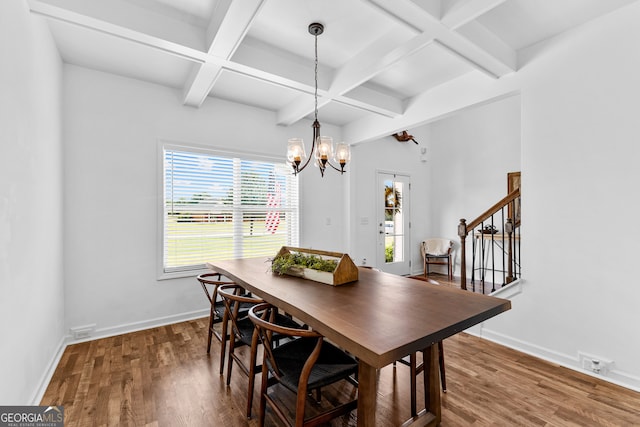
313,144
338,169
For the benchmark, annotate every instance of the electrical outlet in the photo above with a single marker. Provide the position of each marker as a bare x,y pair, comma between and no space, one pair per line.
596,364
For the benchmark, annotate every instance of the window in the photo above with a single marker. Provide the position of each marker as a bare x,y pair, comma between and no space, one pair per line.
219,206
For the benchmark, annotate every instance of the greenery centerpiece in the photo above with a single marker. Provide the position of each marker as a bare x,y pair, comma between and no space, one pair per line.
332,268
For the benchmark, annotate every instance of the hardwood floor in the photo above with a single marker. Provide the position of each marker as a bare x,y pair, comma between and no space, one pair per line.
163,377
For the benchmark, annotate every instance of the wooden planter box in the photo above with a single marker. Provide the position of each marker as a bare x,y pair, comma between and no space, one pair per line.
345,272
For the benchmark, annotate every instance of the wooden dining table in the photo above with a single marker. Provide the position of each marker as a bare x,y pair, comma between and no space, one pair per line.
380,318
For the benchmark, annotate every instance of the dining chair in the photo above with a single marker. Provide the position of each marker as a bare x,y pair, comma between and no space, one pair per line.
241,333
307,362
418,368
216,310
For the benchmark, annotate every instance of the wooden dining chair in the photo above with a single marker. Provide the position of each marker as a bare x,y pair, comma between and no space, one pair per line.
213,280
242,332
305,363
418,368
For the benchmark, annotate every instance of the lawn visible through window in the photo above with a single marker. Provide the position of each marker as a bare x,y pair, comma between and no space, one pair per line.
218,207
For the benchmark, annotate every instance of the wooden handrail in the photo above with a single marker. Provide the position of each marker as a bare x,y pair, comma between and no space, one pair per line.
463,230
493,209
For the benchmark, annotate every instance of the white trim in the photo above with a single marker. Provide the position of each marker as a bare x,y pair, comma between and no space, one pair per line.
216,151
623,379
512,289
45,379
142,325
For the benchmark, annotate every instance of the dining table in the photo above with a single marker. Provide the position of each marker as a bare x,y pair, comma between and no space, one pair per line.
379,318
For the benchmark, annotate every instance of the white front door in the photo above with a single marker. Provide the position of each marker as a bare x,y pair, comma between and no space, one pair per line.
392,201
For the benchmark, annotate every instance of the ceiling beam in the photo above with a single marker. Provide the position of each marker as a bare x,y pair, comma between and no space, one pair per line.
495,63
229,25
466,91
369,99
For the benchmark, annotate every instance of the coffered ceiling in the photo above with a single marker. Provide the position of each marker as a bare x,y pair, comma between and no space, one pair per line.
375,56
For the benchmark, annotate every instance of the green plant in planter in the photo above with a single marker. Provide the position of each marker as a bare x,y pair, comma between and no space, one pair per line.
282,264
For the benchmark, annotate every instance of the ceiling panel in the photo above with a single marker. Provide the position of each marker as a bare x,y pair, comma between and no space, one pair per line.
350,26
246,90
337,114
425,69
195,12
91,49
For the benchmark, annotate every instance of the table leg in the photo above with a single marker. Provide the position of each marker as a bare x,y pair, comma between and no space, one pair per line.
432,386
367,390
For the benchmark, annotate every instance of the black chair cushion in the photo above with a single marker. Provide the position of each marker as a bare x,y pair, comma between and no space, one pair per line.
219,309
332,365
246,327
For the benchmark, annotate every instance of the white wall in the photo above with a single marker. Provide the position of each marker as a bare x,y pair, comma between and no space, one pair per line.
31,276
470,155
580,202
112,128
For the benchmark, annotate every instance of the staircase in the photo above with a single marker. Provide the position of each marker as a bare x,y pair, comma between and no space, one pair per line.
495,245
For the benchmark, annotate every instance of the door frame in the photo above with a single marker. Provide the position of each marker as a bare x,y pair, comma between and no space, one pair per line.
395,268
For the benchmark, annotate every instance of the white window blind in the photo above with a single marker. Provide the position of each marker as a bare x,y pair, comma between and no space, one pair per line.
218,208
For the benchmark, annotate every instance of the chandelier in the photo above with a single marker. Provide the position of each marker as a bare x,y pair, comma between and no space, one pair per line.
322,148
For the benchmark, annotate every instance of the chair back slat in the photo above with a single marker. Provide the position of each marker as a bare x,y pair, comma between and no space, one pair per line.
263,317
232,296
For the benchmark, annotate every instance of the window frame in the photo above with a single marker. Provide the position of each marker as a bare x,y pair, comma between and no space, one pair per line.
163,145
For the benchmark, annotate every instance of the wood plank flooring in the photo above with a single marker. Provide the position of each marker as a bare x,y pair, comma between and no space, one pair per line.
163,377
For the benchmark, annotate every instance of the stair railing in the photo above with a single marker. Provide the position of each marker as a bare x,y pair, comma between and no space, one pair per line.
489,242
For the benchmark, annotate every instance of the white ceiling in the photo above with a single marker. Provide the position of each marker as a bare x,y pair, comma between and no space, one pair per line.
375,56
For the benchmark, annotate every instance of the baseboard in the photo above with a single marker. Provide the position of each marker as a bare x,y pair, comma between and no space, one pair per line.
105,333
126,328
48,373
614,376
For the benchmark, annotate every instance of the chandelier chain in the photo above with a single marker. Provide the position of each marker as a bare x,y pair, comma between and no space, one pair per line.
316,78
